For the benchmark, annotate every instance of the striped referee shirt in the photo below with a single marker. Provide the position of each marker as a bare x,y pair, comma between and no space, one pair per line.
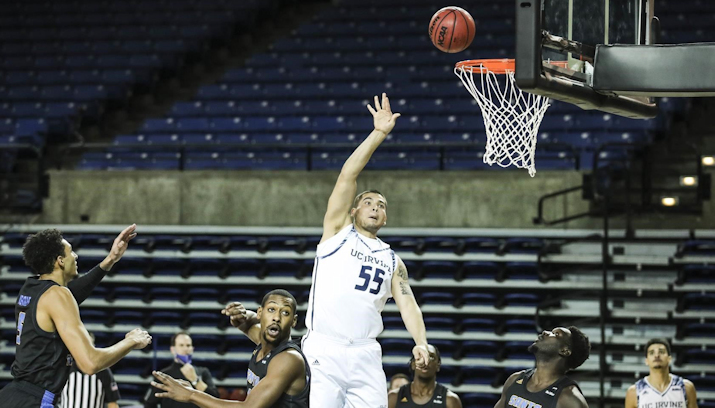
89,391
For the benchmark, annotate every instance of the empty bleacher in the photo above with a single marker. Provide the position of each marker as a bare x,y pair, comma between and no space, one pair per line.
301,105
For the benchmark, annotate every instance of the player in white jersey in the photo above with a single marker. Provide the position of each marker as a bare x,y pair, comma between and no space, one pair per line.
355,273
660,389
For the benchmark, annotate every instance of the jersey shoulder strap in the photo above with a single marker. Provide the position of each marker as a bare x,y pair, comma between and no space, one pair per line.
334,243
563,383
441,390
403,395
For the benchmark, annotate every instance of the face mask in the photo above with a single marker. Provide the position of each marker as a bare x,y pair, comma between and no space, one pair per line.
184,359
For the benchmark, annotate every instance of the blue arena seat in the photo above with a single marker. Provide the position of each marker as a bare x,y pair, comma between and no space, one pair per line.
519,326
480,270
437,298
440,323
478,325
479,299
165,293
479,349
479,375
398,347
439,269
207,267
522,270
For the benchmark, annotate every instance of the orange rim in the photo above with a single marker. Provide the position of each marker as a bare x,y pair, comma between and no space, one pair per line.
497,66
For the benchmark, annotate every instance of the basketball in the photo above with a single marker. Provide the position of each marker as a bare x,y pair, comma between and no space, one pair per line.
451,29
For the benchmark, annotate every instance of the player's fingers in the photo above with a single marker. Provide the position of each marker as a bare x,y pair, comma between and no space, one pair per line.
385,102
371,110
128,230
235,311
162,395
159,386
164,378
377,103
395,116
131,237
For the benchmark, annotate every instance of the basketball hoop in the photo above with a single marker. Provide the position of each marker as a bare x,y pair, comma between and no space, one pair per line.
511,116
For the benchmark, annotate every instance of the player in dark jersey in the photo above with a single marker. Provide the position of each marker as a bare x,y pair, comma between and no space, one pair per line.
50,335
278,373
546,386
424,390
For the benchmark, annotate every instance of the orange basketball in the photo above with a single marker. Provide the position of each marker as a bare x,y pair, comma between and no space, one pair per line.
451,29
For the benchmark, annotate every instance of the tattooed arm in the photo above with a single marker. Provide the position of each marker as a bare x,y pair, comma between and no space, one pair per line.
410,312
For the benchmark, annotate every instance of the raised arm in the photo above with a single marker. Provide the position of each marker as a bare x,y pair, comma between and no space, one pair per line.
82,286
245,320
411,313
337,216
58,307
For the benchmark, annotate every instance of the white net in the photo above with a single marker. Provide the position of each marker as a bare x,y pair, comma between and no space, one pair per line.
511,116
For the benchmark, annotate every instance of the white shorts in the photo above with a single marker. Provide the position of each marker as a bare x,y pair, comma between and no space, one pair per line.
345,373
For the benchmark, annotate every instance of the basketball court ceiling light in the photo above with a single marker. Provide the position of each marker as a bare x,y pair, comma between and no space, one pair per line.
669,201
688,181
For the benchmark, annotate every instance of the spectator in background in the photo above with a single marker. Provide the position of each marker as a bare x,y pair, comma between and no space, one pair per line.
182,369
90,391
397,381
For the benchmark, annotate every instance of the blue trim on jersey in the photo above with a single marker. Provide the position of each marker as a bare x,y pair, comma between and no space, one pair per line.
341,244
394,262
315,279
373,250
674,381
48,400
678,381
364,243
640,384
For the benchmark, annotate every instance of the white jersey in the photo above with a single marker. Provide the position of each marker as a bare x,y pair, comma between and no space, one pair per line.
673,396
352,280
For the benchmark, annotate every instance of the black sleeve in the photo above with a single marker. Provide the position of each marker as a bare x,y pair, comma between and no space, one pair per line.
211,387
82,286
111,390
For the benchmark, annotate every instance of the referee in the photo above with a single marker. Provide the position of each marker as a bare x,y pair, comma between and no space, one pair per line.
90,391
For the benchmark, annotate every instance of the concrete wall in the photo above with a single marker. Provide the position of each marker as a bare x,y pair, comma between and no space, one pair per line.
487,199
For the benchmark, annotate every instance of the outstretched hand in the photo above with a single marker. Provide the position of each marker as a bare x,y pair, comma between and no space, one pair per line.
175,389
236,312
382,115
119,246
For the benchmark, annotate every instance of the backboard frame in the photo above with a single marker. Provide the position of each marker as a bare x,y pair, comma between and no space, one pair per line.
573,84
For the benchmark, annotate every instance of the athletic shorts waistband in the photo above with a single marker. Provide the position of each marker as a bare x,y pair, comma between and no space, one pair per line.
342,341
36,391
